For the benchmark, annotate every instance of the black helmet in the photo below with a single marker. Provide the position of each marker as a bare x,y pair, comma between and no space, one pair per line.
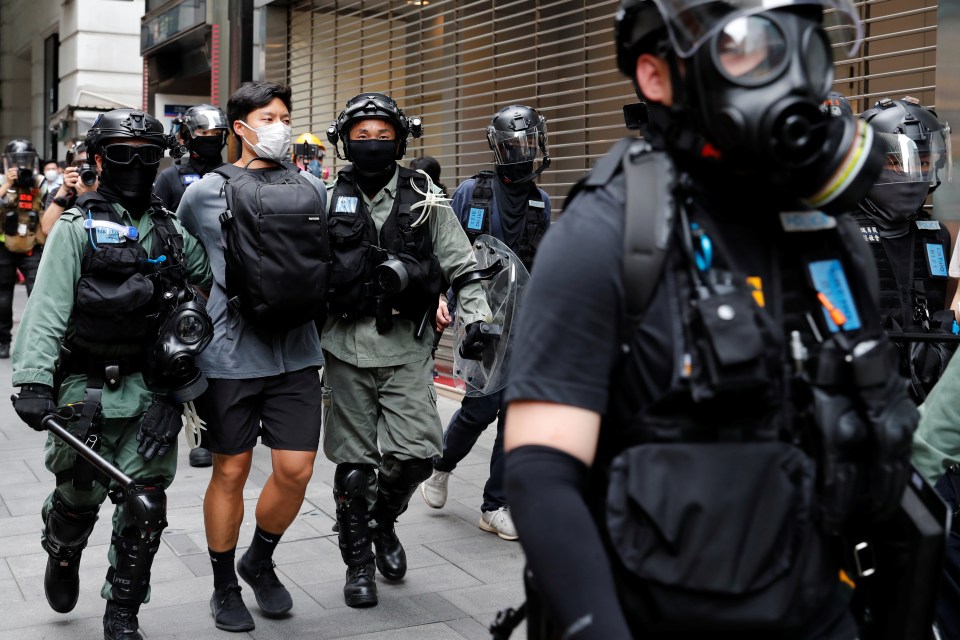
126,123
373,105
516,134
204,117
635,23
20,152
895,119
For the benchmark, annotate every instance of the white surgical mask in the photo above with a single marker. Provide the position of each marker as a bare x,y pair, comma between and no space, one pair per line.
51,175
273,140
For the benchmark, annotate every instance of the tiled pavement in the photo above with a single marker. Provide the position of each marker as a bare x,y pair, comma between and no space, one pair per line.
459,576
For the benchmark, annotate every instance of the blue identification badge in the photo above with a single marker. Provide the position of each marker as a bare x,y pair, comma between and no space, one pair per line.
536,204
831,282
928,225
106,232
936,260
346,204
475,220
189,178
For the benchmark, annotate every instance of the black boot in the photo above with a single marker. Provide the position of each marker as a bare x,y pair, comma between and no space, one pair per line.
360,589
120,622
394,489
349,488
391,558
61,583
64,538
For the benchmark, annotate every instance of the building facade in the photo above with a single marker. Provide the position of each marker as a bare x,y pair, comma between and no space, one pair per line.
62,62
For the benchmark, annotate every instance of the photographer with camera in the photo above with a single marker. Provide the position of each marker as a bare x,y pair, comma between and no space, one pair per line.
111,337
21,198
79,177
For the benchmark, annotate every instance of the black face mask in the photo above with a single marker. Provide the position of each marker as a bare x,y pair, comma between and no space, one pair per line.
514,173
762,111
207,149
894,205
373,157
131,185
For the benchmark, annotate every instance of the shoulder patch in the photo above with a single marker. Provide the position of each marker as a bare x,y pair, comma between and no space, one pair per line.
346,204
794,221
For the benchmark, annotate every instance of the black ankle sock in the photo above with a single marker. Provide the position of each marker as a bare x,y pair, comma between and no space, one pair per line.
263,545
223,572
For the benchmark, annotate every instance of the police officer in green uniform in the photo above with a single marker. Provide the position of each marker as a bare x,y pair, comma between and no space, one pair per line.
702,402
113,325
396,246
910,247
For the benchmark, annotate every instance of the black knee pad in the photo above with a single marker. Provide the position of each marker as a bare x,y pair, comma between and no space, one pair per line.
145,506
405,473
66,530
135,550
351,481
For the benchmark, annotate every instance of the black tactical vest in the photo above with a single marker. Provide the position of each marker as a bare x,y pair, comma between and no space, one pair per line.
481,211
358,249
120,295
704,482
920,283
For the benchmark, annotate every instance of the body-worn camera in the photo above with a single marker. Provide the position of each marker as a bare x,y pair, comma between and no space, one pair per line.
88,175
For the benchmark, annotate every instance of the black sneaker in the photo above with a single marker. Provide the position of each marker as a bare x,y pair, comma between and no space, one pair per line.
272,596
229,612
120,622
200,457
4,349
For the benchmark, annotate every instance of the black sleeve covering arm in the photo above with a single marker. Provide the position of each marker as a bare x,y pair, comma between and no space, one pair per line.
563,547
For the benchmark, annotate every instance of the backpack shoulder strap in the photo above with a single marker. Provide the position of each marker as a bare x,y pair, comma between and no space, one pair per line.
229,170
650,178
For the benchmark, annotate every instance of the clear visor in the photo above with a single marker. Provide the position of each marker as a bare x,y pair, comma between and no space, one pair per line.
206,120
690,23
938,163
514,147
903,162
26,160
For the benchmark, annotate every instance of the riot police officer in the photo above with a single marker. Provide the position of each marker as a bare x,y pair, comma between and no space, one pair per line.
22,193
701,398
111,333
507,204
911,249
395,247
202,130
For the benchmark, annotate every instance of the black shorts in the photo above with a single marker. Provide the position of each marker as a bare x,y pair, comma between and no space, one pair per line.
284,411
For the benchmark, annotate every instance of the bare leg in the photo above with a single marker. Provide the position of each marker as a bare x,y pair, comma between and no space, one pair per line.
223,503
282,495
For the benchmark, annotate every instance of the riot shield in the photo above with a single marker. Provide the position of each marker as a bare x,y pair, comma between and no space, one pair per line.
503,278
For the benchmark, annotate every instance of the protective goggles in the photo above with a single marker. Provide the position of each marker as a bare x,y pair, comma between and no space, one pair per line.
690,23
120,153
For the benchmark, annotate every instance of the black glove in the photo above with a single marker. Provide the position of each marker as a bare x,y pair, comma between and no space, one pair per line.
474,341
33,403
159,429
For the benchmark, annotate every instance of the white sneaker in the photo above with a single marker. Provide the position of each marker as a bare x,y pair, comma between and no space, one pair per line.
434,489
499,522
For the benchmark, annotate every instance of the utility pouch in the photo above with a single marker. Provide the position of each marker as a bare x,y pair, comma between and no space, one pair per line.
106,308
117,261
730,345
714,536
349,257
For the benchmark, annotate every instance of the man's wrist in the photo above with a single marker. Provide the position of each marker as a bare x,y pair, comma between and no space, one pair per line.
63,202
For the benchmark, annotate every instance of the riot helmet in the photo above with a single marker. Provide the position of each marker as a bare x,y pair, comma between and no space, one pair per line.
203,129
21,154
517,135
373,106
917,154
128,170
748,80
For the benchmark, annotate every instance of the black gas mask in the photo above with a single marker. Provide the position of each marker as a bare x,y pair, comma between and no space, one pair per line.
754,90
185,333
130,170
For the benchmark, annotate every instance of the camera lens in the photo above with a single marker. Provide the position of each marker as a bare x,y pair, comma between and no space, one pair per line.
87,175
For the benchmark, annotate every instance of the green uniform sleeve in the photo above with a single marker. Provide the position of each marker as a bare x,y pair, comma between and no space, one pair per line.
453,250
48,310
936,442
198,264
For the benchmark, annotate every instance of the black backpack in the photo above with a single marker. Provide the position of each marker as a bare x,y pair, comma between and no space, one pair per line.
276,248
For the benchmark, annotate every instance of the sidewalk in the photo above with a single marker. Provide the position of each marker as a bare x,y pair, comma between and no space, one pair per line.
459,576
